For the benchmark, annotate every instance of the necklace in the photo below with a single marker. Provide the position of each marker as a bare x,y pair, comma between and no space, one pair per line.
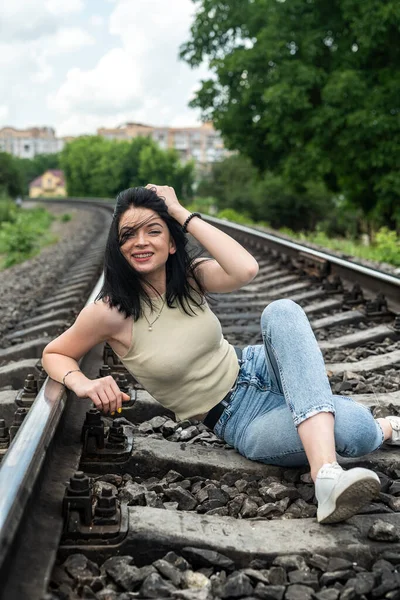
157,317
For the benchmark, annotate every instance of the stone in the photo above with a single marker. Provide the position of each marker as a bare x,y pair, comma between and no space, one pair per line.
277,576
235,505
153,500
111,478
133,494
237,585
306,478
257,575
171,505
194,579
108,594
318,561
206,558
210,505
363,583
381,531
169,571
301,510
307,492
335,563
394,503
299,592
169,427
157,422
394,489
145,427
188,433
249,509
218,494
330,594
305,578
120,569
178,561
173,476
80,568
291,562
241,485
269,592
222,511
331,577
186,500
154,586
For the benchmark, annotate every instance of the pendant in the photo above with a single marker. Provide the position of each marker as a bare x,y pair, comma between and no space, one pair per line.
150,328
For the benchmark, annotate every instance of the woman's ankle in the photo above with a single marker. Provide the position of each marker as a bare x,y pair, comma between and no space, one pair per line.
386,428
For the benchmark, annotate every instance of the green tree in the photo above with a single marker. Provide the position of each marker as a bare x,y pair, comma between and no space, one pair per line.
95,166
308,90
30,168
11,183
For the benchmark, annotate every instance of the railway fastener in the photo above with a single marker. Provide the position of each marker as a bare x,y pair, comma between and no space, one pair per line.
105,512
117,448
93,428
26,397
78,498
377,307
4,438
353,296
19,417
333,285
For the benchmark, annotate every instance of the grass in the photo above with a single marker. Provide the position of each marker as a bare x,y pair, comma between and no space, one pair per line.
23,232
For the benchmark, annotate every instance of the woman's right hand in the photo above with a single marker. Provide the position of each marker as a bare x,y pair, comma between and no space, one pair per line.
103,392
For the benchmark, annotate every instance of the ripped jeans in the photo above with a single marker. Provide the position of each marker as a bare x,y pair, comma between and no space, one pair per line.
280,384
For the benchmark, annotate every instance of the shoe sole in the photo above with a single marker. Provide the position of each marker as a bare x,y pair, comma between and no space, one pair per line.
352,499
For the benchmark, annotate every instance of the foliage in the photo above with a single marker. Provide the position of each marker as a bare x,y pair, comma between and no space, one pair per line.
308,90
11,183
386,247
24,235
232,215
235,184
65,217
97,167
30,168
7,209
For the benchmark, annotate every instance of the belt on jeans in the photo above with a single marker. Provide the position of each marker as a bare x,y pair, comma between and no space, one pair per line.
214,414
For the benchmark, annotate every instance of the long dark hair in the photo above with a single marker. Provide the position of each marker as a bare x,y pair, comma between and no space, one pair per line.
123,286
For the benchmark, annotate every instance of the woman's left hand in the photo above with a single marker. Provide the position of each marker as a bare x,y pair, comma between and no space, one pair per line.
168,194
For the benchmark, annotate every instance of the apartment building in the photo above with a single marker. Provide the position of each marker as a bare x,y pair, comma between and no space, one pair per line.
202,144
27,143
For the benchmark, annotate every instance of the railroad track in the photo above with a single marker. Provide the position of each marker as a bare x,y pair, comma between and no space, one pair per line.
143,507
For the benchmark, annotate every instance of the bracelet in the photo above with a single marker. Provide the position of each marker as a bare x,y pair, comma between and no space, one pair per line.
73,371
190,217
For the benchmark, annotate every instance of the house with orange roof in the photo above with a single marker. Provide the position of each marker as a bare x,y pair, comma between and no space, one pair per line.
51,185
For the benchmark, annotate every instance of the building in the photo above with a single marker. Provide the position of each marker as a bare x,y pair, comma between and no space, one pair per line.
51,184
27,143
202,144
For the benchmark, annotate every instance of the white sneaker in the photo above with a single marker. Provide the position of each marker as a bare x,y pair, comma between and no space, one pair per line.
395,423
341,493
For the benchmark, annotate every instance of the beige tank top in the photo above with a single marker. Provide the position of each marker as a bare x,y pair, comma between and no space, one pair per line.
184,362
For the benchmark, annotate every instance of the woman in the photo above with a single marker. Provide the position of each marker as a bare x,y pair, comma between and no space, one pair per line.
273,405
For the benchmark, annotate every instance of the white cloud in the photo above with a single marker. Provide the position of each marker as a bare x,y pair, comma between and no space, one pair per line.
3,112
62,7
96,21
112,86
142,80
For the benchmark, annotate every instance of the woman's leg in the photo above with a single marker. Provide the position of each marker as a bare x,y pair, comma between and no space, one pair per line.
298,369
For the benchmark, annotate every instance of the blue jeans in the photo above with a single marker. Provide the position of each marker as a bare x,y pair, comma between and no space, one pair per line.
280,384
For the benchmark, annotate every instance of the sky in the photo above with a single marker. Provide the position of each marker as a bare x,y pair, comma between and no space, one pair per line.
77,65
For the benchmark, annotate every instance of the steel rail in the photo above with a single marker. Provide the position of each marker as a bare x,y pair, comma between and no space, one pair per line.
390,284
22,463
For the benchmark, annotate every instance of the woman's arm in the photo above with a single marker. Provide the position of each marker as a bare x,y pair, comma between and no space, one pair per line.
233,266
95,324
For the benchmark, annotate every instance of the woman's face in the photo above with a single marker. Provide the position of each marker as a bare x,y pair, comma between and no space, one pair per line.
145,241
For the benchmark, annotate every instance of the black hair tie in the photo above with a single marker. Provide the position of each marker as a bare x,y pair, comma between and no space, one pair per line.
190,217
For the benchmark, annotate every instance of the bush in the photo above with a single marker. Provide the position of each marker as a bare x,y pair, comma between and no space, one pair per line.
388,246
65,218
7,209
23,237
232,215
